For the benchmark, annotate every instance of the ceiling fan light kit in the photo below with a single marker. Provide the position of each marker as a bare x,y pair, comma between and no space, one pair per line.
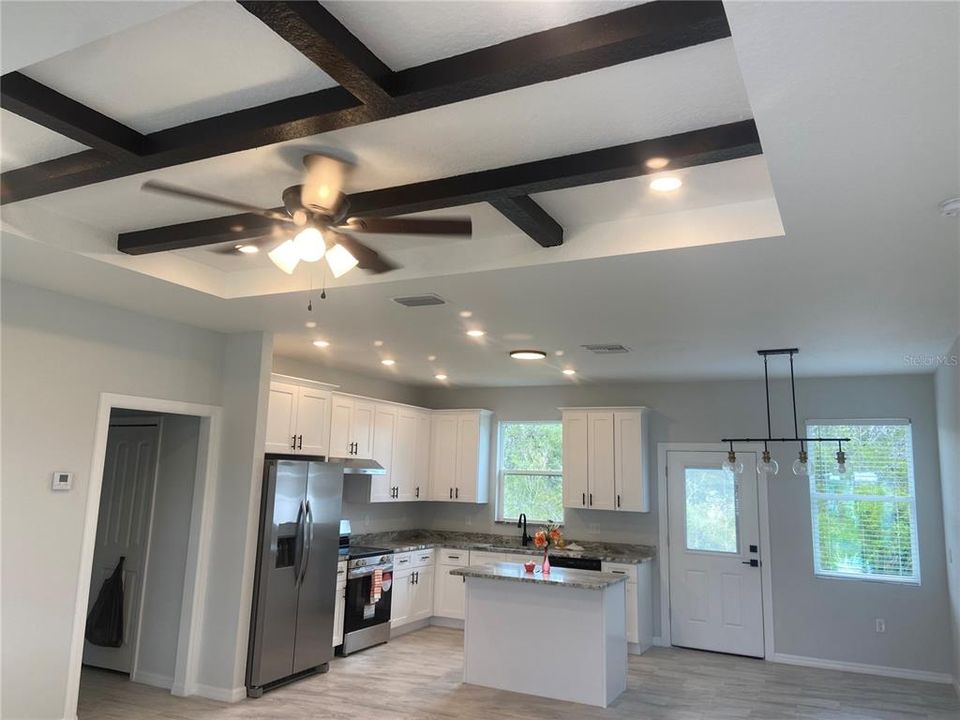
285,256
767,465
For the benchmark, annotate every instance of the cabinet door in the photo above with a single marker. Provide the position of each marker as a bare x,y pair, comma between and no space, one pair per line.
281,418
420,480
575,459
313,421
443,456
341,412
361,427
405,453
468,456
422,605
384,436
601,490
450,595
633,615
338,614
401,597
628,454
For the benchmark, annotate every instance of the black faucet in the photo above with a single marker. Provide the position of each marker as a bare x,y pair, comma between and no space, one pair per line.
522,522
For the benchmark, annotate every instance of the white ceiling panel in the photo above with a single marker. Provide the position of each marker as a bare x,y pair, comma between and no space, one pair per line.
205,60
23,142
406,34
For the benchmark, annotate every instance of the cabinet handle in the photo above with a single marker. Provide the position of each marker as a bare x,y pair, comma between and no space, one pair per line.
451,493
591,498
293,445
584,499
618,500
457,494
418,492
618,572
453,557
300,443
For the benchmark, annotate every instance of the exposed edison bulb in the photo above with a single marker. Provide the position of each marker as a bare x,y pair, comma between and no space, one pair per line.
309,244
800,465
841,462
731,464
768,466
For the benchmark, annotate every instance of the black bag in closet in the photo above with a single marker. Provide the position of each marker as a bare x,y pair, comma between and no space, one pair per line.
105,621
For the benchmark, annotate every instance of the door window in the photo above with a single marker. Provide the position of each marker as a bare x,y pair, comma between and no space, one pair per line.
712,517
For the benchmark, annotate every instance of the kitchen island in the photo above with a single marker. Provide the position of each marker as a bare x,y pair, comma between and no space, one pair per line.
560,635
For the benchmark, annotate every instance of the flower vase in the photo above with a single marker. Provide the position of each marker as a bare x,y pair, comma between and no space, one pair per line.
545,568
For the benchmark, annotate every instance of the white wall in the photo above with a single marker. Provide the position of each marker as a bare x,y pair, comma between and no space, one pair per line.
167,563
349,382
948,426
830,619
58,354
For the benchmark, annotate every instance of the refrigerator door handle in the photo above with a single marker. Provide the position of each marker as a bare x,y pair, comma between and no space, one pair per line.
299,546
308,540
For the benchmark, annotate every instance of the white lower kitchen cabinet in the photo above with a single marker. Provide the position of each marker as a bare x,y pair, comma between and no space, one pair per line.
413,587
401,597
639,605
449,593
421,602
339,605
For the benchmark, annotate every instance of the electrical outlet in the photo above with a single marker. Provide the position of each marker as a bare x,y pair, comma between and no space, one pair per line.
881,625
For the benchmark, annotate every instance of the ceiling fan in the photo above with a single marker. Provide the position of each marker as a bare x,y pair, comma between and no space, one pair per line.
315,222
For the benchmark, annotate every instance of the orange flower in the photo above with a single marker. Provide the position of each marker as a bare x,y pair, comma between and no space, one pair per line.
540,538
555,535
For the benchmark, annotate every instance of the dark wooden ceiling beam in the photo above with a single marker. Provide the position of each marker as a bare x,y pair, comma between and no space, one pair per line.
527,215
590,44
323,40
505,188
244,226
45,106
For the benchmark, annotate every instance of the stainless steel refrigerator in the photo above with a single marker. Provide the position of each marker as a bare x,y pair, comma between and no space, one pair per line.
291,626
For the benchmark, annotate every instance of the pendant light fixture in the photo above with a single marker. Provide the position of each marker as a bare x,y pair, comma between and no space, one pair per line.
768,465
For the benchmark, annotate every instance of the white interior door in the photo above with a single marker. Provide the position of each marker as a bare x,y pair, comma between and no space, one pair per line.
123,530
716,600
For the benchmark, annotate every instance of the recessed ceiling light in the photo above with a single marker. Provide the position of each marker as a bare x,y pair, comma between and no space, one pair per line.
558,353
431,358
466,314
321,343
310,324
440,376
248,249
569,371
378,343
657,163
527,354
388,362
666,184
476,333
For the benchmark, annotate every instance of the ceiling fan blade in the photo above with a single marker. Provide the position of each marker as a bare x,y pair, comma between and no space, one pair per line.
167,189
459,226
322,189
367,257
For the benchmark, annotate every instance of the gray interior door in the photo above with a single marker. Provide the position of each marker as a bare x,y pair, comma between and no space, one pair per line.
280,562
314,645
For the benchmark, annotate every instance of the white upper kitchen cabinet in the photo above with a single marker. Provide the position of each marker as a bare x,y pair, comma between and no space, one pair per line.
459,455
383,487
604,459
298,417
351,426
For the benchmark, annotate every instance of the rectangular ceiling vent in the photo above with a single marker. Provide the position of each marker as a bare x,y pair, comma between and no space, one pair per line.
606,349
420,300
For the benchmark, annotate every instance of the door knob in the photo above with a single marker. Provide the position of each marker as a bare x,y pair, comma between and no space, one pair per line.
751,563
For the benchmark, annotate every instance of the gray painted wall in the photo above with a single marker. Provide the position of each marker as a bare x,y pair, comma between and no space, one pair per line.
831,619
948,426
173,503
349,382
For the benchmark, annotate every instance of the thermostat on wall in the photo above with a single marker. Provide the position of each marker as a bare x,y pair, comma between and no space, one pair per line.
62,480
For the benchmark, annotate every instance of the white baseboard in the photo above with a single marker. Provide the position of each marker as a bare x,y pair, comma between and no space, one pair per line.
447,622
658,642
230,695
408,628
152,679
956,686
637,648
903,673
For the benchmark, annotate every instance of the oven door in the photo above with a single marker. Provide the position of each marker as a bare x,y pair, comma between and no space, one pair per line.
359,612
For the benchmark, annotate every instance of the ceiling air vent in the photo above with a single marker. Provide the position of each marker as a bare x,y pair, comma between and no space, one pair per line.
420,300
606,349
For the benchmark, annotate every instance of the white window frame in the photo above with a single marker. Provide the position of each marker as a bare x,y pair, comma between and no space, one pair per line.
501,471
814,496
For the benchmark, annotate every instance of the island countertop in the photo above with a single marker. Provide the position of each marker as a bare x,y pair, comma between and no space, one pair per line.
566,577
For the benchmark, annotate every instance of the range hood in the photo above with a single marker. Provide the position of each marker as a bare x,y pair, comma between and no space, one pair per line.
358,466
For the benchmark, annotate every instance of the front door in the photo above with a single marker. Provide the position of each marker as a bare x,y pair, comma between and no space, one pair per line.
716,600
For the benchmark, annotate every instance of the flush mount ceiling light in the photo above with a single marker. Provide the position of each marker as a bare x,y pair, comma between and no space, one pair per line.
666,184
321,343
527,354
767,465
476,333
466,314
388,362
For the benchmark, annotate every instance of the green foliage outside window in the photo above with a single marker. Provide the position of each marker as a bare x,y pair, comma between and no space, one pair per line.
531,467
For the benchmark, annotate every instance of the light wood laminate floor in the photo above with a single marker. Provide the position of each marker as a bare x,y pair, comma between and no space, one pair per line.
419,676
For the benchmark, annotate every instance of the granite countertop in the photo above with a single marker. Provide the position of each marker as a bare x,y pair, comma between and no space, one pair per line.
407,540
514,572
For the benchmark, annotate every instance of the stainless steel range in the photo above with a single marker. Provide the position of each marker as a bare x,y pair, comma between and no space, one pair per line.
366,616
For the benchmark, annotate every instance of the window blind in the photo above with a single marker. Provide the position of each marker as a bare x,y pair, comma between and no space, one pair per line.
864,521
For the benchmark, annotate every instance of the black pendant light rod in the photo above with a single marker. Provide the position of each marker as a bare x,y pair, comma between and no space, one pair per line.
785,440
766,386
793,393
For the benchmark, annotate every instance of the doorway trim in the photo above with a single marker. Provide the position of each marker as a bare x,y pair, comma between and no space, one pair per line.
198,543
663,556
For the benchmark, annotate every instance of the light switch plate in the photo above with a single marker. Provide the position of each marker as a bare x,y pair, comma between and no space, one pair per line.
62,480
